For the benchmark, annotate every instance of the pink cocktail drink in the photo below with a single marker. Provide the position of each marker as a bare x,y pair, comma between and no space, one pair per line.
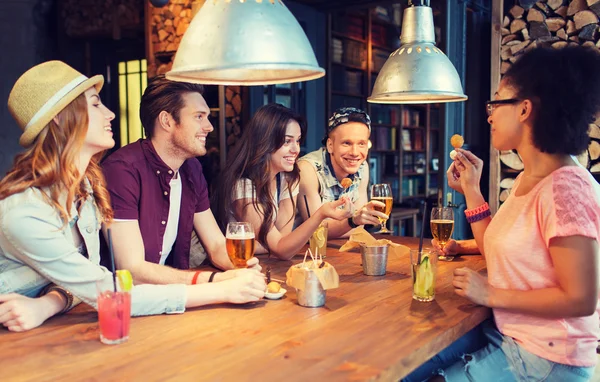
114,312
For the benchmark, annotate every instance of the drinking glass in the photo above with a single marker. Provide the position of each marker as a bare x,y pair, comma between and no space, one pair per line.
114,313
423,273
442,225
383,193
318,240
240,243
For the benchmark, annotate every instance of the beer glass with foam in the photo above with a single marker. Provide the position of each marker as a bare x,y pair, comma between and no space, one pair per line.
240,243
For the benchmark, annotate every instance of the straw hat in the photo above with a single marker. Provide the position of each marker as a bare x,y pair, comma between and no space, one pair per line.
42,92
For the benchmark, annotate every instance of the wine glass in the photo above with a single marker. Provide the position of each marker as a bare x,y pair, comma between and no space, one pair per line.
239,243
442,225
382,193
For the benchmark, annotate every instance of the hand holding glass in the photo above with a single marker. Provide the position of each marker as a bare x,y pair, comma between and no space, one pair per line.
382,193
442,225
240,243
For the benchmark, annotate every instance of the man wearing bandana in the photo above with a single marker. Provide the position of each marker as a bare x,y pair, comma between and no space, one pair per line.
322,171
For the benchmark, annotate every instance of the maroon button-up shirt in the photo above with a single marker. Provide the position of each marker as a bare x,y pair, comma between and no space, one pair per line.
138,182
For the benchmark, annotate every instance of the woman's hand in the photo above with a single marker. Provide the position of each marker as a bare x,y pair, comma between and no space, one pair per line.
470,168
20,313
453,176
452,248
472,285
332,209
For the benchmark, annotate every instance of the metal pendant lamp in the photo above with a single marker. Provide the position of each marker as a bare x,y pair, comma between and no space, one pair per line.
417,72
244,42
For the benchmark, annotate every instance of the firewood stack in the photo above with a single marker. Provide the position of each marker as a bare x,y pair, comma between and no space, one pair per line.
168,24
85,19
555,23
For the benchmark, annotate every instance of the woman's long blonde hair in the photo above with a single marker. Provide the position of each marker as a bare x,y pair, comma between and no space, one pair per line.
50,163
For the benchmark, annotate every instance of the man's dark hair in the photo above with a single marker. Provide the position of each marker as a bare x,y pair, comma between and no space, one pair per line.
162,94
564,87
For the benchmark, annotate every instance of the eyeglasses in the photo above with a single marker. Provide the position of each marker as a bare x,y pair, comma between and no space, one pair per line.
491,105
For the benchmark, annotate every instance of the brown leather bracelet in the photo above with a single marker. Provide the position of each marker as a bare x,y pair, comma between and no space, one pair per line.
65,293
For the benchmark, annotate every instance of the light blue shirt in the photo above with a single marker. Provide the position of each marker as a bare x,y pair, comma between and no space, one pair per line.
330,187
36,248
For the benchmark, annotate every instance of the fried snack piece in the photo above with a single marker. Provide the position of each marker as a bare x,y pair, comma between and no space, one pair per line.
273,287
346,182
457,141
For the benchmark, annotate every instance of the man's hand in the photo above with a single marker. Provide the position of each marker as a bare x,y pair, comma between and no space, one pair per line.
253,264
248,285
20,313
368,215
472,285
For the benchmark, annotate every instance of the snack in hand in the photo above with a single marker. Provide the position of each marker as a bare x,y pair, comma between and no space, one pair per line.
346,182
457,141
273,287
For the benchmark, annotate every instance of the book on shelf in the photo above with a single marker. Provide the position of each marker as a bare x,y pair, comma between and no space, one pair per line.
407,162
411,117
418,140
337,50
406,142
355,54
373,170
420,163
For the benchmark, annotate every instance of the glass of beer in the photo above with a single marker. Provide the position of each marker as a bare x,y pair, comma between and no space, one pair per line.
240,243
442,225
383,193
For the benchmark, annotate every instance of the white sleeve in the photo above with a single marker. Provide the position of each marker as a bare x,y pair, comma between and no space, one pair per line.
285,194
244,189
32,234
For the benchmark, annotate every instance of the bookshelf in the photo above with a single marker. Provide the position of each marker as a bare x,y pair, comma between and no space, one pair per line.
405,139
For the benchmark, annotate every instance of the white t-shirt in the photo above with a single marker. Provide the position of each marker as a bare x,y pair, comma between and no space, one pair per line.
173,219
244,189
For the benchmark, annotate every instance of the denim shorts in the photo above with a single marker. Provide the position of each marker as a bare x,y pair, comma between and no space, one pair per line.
503,360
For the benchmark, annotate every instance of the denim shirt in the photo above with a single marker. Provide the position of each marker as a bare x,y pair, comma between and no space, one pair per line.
36,248
330,187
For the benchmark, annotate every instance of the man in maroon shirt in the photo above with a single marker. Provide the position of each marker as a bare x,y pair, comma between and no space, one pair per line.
159,194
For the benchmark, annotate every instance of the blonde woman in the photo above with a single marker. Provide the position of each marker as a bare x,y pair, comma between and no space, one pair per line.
54,200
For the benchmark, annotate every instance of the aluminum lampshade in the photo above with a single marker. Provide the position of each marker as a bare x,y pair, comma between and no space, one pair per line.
417,72
244,42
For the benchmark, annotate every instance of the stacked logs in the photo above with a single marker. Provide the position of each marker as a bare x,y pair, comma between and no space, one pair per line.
84,19
233,116
548,22
168,24
557,23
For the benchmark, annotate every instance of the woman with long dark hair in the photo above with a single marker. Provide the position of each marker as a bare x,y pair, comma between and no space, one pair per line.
260,184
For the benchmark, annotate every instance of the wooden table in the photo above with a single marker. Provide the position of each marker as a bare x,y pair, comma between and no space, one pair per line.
369,329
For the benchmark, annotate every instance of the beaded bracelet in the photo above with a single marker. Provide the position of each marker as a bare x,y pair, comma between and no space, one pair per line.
478,213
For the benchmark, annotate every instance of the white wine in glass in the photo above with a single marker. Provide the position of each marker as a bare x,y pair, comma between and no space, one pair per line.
442,225
239,243
383,193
